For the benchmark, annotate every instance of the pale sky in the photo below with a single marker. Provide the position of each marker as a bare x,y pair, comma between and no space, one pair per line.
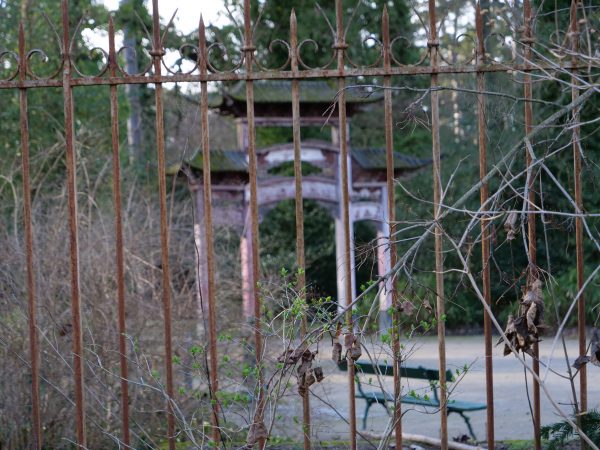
186,21
188,12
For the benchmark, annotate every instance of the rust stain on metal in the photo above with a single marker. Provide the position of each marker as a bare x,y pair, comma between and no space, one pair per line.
34,350
157,53
485,229
252,172
351,72
340,47
391,206
528,41
73,233
119,257
300,257
433,44
208,225
119,240
574,37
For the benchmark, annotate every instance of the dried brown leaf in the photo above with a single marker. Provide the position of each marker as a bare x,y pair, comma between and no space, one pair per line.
510,225
407,307
348,340
318,371
580,361
336,353
595,347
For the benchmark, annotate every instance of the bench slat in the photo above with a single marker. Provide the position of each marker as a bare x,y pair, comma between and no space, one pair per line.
420,372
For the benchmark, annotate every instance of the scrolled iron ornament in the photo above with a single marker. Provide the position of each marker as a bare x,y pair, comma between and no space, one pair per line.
124,72
559,40
422,57
272,44
214,69
185,56
316,46
94,50
316,49
6,56
469,59
44,58
101,70
378,43
501,38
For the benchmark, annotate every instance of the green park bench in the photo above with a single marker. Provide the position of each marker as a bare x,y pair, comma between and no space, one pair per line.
419,373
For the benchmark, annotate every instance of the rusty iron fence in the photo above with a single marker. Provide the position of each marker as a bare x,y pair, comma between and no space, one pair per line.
432,64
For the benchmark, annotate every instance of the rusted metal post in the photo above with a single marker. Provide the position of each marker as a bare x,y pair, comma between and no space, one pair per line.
119,258
34,350
300,259
340,47
157,53
73,234
252,173
391,206
485,228
433,44
574,38
528,41
208,238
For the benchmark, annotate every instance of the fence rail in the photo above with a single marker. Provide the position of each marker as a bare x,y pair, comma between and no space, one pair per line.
431,61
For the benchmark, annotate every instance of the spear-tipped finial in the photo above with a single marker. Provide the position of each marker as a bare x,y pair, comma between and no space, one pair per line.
479,28
293,23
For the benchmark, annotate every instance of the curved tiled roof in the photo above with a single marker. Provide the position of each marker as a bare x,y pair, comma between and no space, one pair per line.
366,158
311,91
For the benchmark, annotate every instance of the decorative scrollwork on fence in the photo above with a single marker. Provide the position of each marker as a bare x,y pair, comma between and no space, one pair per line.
271,49
446,53
377,44
226,58
102,67
424,53
41,54
185,51
497,39
5,64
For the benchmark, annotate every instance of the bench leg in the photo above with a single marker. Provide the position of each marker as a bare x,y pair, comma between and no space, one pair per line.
468,422
369,403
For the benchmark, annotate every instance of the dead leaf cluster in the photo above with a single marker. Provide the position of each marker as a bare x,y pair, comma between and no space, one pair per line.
510,225
523,331
352,347
594,356
307,375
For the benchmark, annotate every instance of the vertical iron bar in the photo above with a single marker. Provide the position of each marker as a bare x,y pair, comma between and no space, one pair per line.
433,44
73,234
252,173
157,53
34,350
119,258
391,205
208,228
485,228
340,47
531,231
574,36
300,258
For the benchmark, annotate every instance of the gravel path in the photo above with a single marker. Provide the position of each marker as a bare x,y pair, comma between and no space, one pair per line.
512,414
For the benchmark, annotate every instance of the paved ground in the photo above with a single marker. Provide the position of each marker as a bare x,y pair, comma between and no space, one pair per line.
512,415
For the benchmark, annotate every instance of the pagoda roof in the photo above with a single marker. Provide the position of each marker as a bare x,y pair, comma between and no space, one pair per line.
271,97
367,158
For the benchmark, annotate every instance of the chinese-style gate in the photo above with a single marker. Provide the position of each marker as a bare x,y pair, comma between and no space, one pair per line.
231,191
